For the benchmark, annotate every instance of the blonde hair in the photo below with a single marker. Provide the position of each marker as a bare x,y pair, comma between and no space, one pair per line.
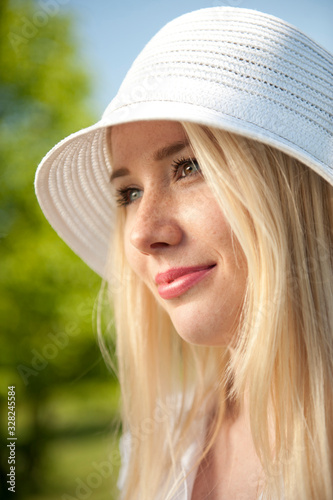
281,212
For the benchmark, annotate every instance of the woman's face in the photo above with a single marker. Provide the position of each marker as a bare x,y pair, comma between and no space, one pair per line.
176,237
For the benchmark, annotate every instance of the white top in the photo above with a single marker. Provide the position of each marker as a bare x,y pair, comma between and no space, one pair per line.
184,492
187,463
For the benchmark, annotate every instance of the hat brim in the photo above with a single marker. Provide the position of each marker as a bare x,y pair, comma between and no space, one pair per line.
73,180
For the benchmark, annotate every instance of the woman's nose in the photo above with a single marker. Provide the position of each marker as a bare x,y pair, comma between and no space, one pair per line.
155,226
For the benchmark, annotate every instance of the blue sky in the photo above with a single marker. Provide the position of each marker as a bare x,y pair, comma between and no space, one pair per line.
112,33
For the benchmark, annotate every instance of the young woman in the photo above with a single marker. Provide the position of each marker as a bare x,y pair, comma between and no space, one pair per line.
204,196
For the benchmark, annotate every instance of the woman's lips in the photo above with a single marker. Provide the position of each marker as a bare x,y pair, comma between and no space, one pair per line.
177,281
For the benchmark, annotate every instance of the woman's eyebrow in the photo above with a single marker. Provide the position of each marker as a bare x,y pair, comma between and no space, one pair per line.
120,172
159,155
169,150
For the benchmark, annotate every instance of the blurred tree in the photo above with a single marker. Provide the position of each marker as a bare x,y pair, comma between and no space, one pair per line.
47,293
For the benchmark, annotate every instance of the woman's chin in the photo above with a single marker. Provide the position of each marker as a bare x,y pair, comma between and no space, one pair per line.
199,328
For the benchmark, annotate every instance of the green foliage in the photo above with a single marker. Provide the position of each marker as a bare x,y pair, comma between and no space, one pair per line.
47,293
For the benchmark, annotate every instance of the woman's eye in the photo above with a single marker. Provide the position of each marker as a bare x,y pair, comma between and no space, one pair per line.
126,196
134,194
189,169
186,167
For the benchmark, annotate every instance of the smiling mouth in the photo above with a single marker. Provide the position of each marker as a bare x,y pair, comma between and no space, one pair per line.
177,281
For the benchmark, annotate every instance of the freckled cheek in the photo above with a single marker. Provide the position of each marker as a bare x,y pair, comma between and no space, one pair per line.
206,220
212,227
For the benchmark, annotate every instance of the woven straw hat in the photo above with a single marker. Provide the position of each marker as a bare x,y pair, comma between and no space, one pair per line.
236,69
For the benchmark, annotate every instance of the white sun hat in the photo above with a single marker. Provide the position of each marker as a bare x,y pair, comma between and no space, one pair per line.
236,69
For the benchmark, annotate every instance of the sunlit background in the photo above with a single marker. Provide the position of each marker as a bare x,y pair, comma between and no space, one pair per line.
61,63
